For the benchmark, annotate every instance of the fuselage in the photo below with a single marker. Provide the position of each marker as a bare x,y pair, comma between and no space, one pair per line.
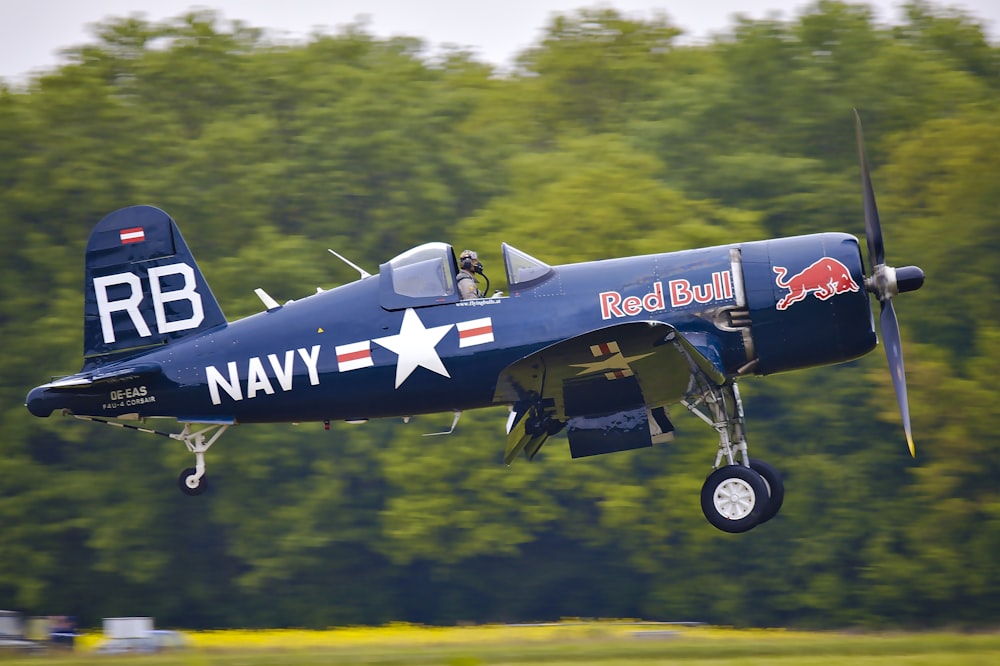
340,354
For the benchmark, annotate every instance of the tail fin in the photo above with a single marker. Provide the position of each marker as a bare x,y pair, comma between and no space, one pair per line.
143,287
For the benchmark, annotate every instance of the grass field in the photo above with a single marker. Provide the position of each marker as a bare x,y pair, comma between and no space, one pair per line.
603,643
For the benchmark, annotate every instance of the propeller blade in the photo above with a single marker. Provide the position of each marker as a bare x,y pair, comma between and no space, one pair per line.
894,353
873,230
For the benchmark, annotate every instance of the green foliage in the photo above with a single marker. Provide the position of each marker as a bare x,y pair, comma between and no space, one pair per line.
609,139
592,66
601,190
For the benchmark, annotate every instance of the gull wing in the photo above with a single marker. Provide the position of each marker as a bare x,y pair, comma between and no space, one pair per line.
609,387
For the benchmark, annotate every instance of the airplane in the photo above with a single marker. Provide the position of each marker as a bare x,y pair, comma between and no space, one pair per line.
600,349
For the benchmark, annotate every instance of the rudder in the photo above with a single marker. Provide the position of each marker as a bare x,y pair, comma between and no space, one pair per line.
143,288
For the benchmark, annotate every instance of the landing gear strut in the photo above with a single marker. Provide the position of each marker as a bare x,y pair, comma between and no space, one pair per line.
192,480
742,492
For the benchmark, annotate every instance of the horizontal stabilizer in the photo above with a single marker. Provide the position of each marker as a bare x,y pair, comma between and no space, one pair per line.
131,373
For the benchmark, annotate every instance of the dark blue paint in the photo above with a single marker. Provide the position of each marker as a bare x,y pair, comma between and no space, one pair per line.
565,303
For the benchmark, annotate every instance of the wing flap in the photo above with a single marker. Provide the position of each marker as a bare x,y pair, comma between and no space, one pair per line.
608,433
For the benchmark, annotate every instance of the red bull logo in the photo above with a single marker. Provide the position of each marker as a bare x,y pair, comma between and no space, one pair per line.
682,293
824,279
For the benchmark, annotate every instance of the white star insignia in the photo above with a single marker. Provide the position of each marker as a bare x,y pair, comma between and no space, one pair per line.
415,345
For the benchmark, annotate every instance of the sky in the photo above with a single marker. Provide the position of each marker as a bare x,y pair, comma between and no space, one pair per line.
32,32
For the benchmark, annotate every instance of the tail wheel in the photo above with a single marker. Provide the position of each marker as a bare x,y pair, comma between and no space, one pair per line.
775,488
734,498
190,484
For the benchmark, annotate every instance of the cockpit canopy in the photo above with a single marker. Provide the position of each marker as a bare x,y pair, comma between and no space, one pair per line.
425,275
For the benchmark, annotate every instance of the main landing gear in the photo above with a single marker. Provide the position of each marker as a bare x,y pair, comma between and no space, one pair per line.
738,495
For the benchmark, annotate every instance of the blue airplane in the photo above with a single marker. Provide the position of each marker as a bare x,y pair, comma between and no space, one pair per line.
599,349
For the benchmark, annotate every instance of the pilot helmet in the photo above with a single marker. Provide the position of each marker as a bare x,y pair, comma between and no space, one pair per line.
468,259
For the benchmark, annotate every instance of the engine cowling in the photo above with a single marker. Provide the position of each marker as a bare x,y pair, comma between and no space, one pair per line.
807,301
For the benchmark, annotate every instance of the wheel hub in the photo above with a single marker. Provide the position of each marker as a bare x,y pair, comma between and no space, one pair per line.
734,499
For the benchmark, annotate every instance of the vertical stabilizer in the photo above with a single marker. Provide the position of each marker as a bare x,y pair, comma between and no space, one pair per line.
143,288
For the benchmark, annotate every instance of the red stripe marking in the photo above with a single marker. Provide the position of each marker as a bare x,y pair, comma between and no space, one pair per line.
470,332
133,235
353,356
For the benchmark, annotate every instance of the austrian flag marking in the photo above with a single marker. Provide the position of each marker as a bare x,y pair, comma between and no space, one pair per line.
475,332
132,235
354,356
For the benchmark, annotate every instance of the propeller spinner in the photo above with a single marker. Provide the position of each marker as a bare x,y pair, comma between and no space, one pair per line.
885,282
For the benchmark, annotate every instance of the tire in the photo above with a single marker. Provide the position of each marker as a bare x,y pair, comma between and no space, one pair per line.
734,498
182,481
775,488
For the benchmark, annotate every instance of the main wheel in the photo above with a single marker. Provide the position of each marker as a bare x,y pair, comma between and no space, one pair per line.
775,488
734,498
188,484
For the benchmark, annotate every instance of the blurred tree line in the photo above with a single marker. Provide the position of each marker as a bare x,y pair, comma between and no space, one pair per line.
609,137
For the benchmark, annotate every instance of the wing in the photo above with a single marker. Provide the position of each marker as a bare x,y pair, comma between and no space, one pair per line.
608,387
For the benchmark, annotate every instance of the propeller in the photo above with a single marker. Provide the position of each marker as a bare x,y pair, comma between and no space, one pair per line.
886,282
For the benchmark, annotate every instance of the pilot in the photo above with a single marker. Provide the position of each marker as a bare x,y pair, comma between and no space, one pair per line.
469,264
